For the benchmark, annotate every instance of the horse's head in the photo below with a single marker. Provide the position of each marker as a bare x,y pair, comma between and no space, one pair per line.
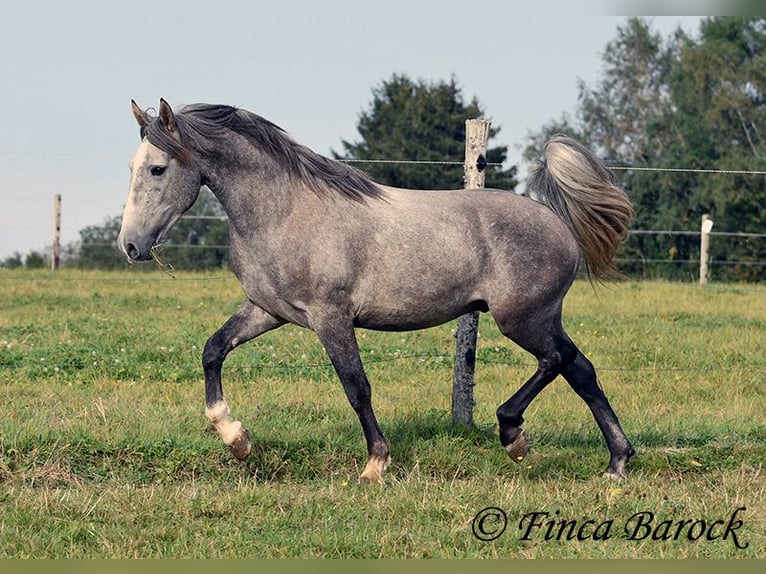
163,185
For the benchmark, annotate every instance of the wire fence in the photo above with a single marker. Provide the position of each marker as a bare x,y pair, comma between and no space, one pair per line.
54,366
170,247
621,260
428,360
620,167
627,261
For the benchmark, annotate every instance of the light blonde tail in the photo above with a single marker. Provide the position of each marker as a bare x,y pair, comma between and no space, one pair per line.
582,191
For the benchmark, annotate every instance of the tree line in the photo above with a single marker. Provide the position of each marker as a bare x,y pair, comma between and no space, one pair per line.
691,101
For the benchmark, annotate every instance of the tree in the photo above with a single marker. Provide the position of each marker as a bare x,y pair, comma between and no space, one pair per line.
421,121
36,260
717,87
683,103
622,118
14,261
97,248
198,241
615,116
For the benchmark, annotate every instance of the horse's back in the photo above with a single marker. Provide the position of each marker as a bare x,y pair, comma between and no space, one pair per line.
438,254
483,222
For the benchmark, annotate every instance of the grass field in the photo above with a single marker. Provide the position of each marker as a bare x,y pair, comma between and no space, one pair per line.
104,449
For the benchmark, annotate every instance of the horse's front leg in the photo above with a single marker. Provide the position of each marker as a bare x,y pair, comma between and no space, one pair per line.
339,341
247,323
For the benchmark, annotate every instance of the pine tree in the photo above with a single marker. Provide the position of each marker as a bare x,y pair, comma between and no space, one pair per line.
421,121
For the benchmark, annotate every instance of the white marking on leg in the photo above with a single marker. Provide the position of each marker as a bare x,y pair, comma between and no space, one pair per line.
226,427
375,469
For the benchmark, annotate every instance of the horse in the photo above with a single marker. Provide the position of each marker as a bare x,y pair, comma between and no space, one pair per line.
317,243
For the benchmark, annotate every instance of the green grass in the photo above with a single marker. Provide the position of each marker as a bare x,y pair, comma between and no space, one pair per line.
105,451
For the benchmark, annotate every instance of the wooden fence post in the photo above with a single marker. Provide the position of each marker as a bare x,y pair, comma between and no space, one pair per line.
56,247
707,225
476,136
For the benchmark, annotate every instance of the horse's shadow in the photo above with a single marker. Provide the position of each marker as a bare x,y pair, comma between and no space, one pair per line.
413,440
429,444
423,444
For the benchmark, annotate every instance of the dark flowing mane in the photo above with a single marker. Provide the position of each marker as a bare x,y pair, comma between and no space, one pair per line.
202,127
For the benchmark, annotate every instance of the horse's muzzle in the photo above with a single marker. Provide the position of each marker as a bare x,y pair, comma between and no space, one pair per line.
133,250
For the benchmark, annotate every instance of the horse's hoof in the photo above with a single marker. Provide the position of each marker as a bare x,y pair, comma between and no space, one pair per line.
375,469
519,448
613,475
241,447
617,464
616,471
370,479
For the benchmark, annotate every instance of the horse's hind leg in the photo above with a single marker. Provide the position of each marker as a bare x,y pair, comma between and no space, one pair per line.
247,323
581,376
557,354
510,413
542,335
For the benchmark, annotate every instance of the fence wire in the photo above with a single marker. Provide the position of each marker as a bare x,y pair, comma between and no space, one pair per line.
620,167
446,360
691,233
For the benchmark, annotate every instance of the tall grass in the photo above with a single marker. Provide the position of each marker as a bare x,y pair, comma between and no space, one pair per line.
105,451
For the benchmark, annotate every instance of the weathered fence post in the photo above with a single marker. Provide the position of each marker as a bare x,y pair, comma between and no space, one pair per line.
707,225
476,136
56,247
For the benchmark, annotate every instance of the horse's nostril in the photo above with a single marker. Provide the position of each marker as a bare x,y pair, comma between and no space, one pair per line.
132,252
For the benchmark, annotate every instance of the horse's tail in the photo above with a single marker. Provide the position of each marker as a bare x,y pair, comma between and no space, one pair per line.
580,189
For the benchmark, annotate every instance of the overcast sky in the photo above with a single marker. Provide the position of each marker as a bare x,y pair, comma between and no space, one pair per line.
69,70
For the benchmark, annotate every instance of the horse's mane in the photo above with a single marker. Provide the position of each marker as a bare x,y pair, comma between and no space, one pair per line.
203,128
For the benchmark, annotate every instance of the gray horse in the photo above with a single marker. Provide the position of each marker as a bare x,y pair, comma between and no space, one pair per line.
317,243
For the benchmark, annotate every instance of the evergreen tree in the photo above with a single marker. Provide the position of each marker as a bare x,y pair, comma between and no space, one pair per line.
421,121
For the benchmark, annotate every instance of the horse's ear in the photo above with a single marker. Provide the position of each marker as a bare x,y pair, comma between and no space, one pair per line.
141,116
166,115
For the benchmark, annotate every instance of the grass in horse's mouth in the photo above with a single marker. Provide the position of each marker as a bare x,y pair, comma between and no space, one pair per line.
164,266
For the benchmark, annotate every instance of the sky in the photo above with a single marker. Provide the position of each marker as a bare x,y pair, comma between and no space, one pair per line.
69,70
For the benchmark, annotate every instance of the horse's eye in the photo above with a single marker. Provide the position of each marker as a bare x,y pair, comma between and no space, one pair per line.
157,170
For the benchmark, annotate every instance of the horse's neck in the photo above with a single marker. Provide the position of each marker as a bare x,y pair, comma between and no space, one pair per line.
256,194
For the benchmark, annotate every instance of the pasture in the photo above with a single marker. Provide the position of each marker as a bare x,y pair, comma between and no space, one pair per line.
105,450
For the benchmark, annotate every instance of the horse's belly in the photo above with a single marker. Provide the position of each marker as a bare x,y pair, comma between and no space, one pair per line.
401,310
